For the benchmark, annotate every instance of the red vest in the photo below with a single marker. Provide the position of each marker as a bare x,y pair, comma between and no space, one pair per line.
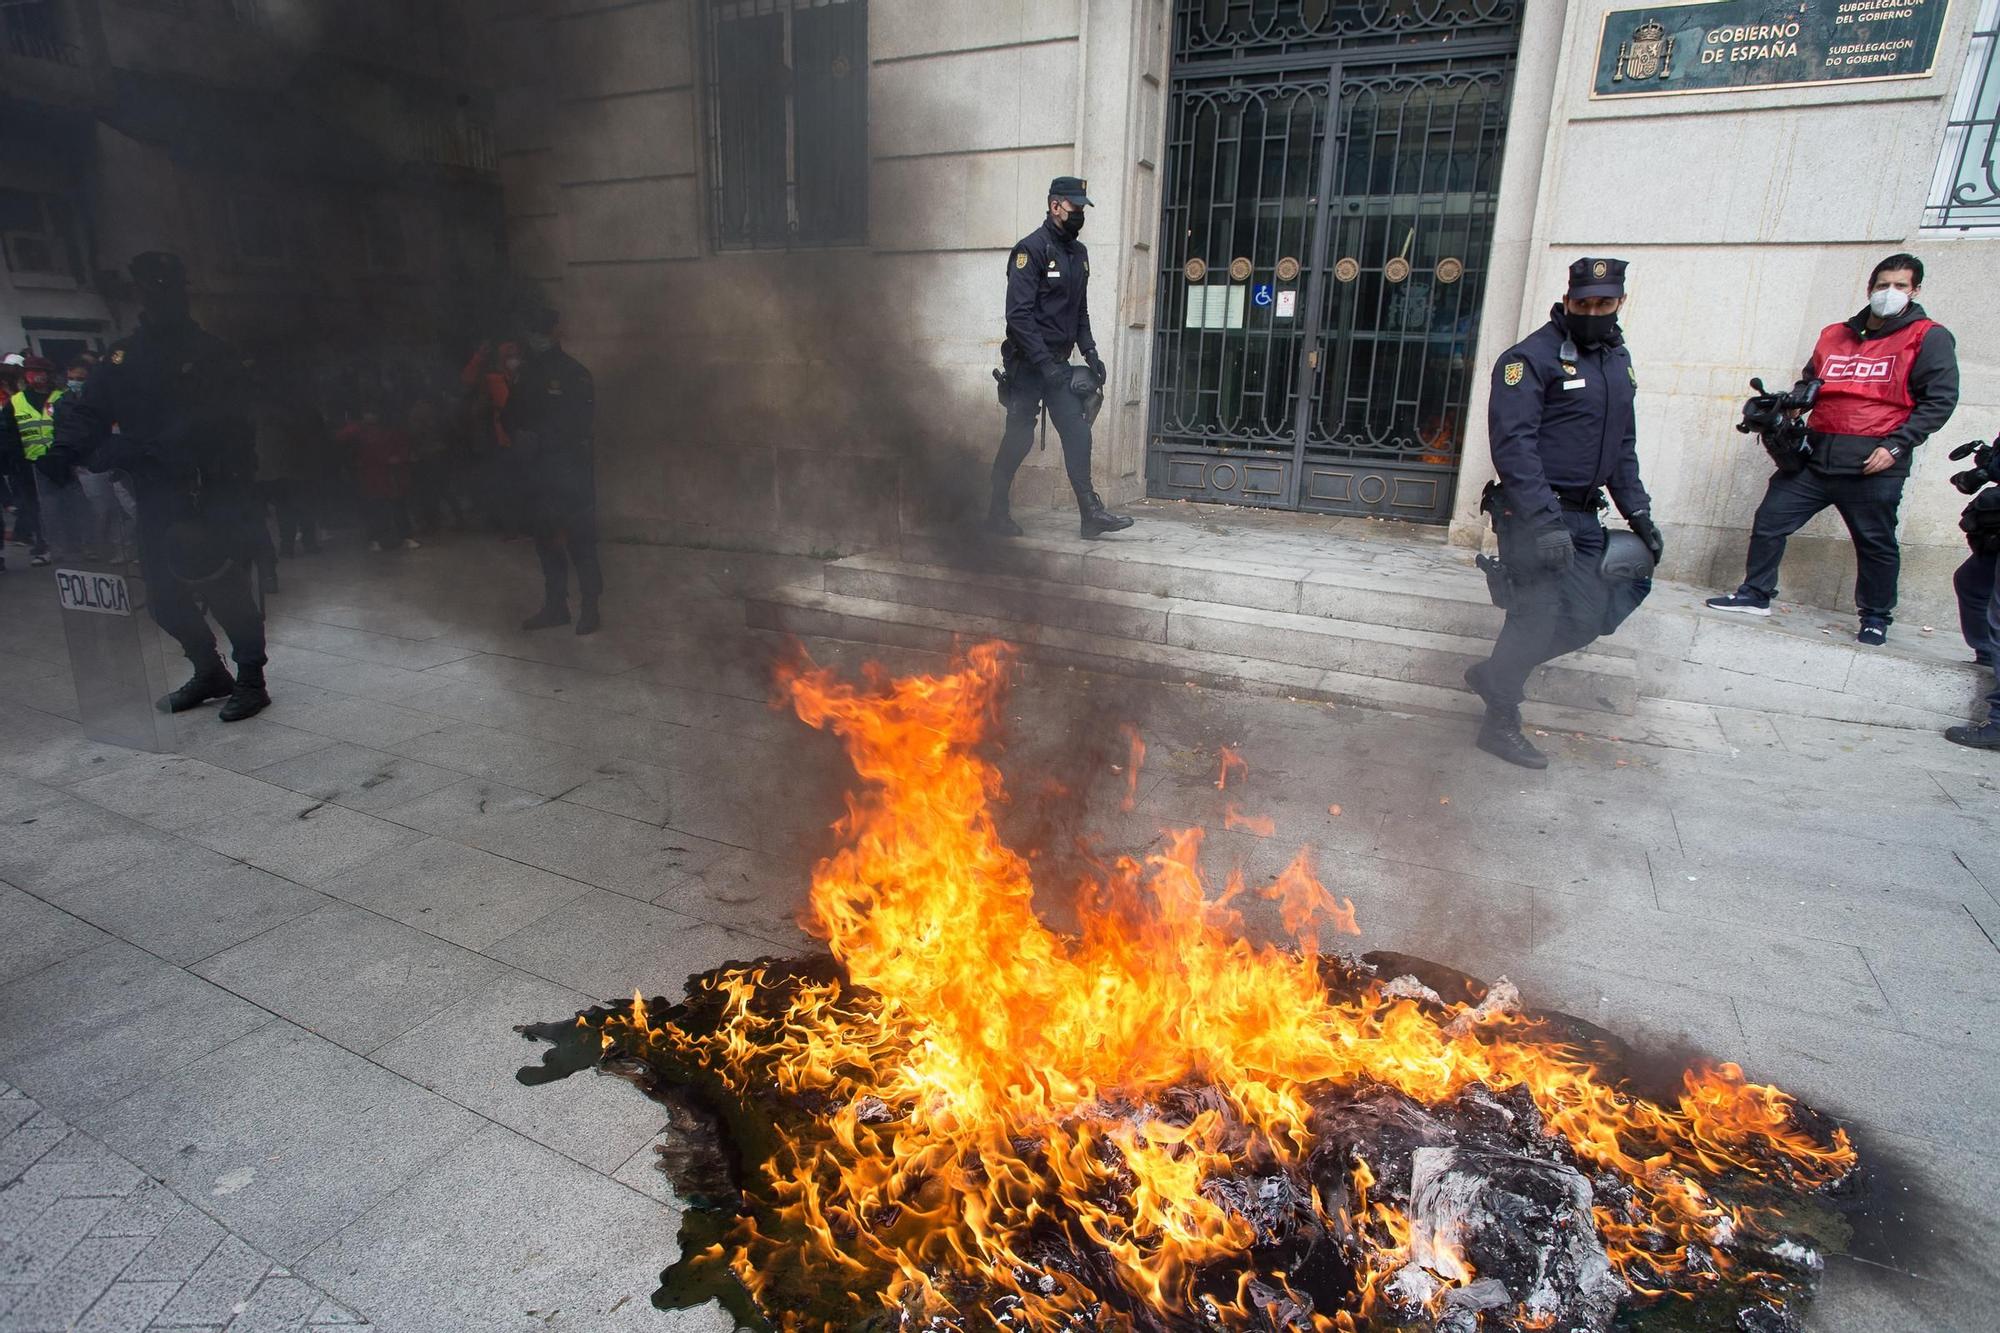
1866,382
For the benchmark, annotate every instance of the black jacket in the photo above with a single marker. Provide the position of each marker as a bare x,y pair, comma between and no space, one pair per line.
1048,304
1554,424
1933,387
552,406
175,393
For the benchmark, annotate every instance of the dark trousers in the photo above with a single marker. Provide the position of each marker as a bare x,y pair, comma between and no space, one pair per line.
1979,603
388,521
293,503
1866,504
19,487
181,609
1023,409
565,528
1548,614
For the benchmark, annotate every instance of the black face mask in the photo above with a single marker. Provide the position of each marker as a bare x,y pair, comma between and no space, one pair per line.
1590,330
1072,225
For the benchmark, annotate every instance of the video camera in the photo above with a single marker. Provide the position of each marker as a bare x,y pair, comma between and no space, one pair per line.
1777,419
1982,473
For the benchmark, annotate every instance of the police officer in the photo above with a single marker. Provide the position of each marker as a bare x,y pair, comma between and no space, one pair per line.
1561,428
550,416
1048,316
173,391
27,425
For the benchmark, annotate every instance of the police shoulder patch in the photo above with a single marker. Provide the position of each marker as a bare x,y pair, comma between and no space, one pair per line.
1513,371
1020,259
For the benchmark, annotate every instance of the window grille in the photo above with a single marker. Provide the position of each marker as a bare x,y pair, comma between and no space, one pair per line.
1965,192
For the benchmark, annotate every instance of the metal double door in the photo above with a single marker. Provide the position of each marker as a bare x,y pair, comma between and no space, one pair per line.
1325,236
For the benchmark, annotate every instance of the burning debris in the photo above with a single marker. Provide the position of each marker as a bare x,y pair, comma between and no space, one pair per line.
961,1119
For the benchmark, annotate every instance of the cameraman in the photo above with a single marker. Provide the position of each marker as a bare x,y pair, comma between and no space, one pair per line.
1890,379
1979,599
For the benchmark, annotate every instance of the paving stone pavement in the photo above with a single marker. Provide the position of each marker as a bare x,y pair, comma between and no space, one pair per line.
89,1242
257,997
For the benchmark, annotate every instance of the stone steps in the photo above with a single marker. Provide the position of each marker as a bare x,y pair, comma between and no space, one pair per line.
1205,594
873,599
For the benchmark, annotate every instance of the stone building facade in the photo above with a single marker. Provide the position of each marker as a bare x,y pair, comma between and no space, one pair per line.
778,237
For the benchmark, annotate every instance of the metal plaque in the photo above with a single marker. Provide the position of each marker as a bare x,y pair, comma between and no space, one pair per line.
1729,44
1396,269
1449,270
1239,269
1347,270
1195,270
1288,269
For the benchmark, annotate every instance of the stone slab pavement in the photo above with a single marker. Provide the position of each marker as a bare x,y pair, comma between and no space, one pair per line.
257,997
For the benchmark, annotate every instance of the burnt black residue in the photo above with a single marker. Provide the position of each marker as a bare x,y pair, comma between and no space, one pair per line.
1527,1237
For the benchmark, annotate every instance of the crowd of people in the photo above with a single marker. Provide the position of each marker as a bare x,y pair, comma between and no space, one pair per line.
209,467
396,454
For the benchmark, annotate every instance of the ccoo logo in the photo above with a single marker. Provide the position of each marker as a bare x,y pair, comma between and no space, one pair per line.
1859,369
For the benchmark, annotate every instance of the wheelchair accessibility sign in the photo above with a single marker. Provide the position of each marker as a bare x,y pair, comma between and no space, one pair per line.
1261,294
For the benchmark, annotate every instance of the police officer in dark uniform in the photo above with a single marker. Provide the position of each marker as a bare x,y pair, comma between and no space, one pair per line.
1561,428
550,419
1048,317
175,393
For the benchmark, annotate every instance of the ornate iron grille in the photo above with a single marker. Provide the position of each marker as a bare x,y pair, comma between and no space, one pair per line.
1325,232
787,122
1966,191
1208,28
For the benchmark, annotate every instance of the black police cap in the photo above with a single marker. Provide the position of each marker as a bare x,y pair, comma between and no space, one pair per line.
1596,277
1071,188
159,268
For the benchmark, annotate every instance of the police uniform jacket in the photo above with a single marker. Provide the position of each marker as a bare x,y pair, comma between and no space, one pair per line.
552,404
1557,425
1048,309
175,393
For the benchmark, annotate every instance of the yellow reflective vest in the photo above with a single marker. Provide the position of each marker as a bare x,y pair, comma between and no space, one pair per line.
38,429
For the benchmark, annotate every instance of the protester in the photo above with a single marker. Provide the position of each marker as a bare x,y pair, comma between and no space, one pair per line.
382,472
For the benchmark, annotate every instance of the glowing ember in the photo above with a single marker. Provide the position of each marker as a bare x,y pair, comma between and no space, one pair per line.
967,1120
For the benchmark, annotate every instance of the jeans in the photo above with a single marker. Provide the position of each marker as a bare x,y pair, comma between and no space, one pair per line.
1866,504
1066,411
1548,614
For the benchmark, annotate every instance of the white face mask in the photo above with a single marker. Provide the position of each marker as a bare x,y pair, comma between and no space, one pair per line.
1888,302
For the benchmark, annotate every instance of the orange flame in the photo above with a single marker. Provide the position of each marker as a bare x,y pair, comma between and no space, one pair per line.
1231,762
982,1066
1133,764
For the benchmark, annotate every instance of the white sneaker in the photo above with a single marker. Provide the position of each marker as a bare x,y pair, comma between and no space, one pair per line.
412,544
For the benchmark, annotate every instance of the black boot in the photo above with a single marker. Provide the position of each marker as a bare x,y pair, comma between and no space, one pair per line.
211,680
1000,523
551,615
586,619
249,698
1097,520
1500,735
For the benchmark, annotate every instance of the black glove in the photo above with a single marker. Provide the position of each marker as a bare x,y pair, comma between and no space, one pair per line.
1649,533
1097,369
1082,382
57,466
1554,548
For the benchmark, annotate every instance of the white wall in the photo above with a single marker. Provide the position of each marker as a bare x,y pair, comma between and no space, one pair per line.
1751,219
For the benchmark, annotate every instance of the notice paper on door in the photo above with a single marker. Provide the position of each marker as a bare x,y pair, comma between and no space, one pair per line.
1215,305
1288,305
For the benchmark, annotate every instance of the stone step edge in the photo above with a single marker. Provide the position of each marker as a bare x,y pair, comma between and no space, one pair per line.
922,627
1620,665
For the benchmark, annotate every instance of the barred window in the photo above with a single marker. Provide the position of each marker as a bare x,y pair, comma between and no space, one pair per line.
1965,192
788,122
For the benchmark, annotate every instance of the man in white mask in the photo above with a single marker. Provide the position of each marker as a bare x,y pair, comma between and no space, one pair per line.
1889,380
